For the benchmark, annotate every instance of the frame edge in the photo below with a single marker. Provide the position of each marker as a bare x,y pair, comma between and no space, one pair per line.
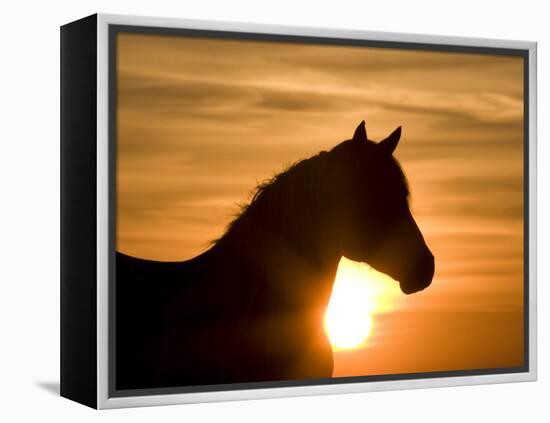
78,346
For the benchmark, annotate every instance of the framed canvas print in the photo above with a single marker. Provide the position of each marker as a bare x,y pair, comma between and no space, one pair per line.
253,211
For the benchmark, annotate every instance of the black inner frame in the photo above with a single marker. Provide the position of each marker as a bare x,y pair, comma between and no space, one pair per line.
114,30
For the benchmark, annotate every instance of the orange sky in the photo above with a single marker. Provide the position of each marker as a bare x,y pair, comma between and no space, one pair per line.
201,121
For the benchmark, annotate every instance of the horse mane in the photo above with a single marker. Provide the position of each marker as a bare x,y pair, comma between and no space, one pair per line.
271,191
291,188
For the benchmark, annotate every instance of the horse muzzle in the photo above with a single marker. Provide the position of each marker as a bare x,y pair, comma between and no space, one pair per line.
420,277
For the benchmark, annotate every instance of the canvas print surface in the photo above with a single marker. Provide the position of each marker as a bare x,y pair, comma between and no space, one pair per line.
294,211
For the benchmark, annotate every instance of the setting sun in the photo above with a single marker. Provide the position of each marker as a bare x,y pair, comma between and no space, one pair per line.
359,293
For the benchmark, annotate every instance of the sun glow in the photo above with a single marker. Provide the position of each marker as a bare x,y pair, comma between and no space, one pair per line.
358,294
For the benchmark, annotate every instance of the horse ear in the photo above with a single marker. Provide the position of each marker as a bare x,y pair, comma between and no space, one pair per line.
389,144
360,134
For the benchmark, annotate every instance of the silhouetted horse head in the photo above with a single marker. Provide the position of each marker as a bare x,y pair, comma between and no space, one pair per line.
369,211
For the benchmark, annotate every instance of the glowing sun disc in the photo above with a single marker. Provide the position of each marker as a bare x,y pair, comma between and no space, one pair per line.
347,330
358,293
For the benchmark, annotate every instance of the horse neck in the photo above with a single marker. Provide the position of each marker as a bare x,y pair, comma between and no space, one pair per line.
280,254
287,223
279,273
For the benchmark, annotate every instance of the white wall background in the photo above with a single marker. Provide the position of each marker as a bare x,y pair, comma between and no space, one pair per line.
29,223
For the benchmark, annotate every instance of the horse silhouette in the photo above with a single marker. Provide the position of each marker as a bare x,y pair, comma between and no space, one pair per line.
251,307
